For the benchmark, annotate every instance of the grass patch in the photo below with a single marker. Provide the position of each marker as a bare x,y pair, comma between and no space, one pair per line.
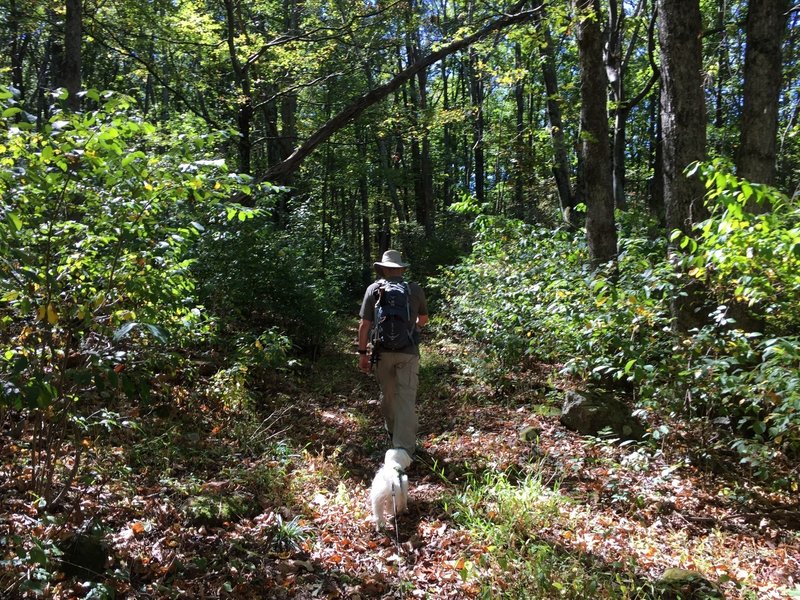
511,516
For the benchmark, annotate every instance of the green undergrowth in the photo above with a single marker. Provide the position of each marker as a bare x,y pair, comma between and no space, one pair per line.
509,516
527,295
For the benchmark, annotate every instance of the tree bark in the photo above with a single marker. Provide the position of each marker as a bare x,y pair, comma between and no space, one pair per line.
519,170
766,26
596,190
241,76
683,124
478,126
19,48
561,169
70,75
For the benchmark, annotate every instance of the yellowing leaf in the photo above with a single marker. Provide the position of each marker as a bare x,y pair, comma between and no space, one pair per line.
52,315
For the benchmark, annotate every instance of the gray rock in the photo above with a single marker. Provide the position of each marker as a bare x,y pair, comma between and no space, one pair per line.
590,413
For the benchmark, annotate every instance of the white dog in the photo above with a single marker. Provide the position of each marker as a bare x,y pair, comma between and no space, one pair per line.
390,487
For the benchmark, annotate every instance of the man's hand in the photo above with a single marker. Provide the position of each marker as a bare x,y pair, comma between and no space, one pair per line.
364,363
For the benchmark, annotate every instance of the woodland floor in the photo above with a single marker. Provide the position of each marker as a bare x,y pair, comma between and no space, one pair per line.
305,533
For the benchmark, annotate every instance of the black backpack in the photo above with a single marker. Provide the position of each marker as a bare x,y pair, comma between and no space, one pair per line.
392,328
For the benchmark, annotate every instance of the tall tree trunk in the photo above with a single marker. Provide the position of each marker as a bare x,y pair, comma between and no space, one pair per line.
596,190
683,123
561,169
766,26
241,76
723,73
617,59
423,172
288,104
615,70
19,49
363,194
70,75
448,141
519,142
655,197
478,125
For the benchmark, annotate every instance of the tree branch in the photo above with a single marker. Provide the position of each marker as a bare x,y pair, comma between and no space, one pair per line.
279,172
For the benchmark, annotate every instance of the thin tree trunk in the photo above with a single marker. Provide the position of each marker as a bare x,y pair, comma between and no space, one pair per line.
478,126
19,49
597,192
70,76
519,145
561,169
244,114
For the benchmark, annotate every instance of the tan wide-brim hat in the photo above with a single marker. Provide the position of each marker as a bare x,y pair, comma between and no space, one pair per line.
392,259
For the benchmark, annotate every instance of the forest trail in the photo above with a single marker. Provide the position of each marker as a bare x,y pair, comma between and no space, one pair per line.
190,503
339,418
621,505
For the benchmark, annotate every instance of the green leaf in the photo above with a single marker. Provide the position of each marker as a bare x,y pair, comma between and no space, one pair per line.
16,222
11,111
161,334
123,331
38,556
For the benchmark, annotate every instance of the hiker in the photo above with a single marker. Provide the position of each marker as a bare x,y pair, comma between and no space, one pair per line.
394,335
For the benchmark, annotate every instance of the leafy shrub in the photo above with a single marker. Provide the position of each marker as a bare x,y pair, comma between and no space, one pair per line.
95,226
258,275
527,293
750,260
746,258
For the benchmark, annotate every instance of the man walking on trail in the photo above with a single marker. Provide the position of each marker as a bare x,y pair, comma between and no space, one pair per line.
397,360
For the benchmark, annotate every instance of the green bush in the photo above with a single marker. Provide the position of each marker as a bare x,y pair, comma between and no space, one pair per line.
526,293
97,217
256,275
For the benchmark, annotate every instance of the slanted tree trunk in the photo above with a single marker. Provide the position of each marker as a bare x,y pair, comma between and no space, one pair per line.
353,109
683,124
766,26
596,189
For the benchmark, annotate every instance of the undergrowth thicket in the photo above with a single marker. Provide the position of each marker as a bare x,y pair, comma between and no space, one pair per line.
526,293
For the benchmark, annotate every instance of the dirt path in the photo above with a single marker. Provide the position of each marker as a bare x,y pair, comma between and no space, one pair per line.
194,503
653,506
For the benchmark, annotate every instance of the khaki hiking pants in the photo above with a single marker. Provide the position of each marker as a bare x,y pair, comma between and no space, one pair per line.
398,377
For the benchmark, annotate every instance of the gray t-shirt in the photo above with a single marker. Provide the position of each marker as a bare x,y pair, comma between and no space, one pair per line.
417,306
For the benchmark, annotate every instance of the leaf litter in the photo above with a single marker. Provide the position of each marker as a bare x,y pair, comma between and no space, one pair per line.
306,532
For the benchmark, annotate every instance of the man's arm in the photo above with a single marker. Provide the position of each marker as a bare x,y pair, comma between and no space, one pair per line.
364,363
